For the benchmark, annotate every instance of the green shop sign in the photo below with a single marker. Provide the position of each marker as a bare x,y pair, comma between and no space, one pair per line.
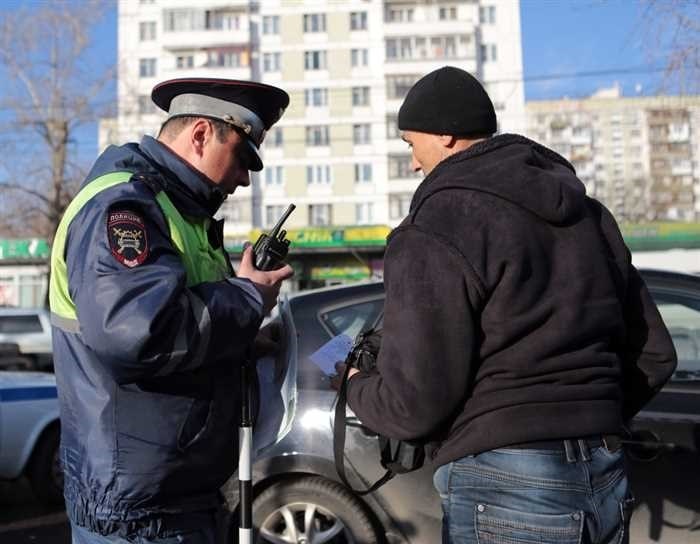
326,237
32,248
660,236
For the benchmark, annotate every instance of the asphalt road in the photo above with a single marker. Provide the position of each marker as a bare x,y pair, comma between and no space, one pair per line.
24,521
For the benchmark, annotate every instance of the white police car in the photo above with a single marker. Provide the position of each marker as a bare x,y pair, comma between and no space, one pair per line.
30,432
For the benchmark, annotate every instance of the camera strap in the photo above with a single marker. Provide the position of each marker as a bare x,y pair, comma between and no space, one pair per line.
339,427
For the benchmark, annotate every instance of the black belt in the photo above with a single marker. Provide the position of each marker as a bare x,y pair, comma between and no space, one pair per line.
611,442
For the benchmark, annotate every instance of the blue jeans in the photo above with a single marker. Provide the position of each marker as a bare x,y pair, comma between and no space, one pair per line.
516,496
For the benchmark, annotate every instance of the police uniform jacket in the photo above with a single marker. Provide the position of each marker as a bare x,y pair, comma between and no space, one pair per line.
148,386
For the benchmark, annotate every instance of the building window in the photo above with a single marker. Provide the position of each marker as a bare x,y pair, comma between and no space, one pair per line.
274,175
275,137
398,14
420,48
317,135
147,67
232,211
272,214
487,15
320,214
272,62
315,22
147,31
316,97
270,24
400,167
360,96
489,52
362,134
392,127
184,61
146,105
314,60
358,20
221,20
399,205
359,57
364,213
182,20
363,172
318,174
447,13
227,57
397,87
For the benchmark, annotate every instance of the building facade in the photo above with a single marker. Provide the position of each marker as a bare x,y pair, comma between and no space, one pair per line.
640,156
347,66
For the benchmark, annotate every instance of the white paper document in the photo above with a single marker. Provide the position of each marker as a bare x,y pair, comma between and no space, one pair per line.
332,352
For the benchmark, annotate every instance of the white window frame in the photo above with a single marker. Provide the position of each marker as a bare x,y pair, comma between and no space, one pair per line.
317,135
361,96
320,215
364,213
274,176
316,97
270,25
314,22
315,60
319,174
359,57
363,172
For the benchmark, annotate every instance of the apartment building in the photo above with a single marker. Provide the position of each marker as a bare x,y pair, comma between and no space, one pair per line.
347,66
639,155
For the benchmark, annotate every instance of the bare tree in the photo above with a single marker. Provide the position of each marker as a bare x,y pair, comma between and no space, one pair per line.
673,31
50,91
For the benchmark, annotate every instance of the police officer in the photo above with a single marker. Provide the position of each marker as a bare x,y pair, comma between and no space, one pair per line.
150,323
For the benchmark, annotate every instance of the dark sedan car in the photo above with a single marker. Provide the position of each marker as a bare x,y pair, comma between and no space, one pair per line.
298,498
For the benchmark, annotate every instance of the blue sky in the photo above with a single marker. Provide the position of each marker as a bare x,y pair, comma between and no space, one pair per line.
562,37
579,36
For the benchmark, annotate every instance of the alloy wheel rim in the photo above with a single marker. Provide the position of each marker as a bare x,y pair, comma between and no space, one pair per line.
303,523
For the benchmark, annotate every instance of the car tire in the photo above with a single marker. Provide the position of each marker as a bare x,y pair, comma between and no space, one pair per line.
313,505
44,471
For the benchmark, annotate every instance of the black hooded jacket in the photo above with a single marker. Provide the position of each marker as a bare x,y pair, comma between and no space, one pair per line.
512,311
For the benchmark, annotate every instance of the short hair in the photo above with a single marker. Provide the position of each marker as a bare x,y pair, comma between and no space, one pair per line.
172,127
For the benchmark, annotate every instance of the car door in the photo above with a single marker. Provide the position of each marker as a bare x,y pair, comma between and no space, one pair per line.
410,499
665,463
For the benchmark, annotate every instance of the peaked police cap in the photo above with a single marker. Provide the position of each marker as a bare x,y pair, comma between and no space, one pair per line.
250,106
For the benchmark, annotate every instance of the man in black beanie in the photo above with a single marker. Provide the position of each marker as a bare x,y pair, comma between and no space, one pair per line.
518,338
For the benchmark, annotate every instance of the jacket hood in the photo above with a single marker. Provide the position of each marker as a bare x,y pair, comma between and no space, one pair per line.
515,169
193,193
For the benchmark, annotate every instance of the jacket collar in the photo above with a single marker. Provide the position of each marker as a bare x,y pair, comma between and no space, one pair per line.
192,192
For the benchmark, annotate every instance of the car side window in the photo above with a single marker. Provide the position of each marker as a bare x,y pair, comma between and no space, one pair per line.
682,318
17,324
352,319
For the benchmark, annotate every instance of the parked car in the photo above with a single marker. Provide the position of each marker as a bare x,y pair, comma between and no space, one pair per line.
296,488
29,432
30,330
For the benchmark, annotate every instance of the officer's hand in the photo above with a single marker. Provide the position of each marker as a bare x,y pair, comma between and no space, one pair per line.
267,283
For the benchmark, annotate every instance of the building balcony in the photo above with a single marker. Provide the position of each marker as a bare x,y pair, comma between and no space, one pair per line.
225,72
198,39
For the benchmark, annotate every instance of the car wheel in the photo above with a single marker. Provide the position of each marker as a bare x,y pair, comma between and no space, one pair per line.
44,470
311,510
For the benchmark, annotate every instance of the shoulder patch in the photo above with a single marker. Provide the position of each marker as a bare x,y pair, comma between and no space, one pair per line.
127,237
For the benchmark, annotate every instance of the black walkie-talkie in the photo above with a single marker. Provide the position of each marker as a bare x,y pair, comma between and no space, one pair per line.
271,249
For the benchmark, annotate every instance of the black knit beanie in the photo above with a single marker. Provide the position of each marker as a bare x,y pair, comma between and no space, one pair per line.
448,101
